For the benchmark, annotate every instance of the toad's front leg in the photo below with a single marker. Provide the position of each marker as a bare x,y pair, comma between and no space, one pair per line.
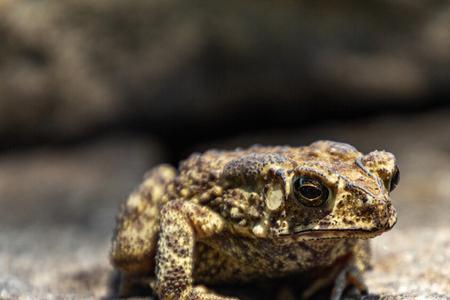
182,224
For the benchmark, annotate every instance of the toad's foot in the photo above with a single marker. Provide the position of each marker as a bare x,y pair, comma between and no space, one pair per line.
349,277
201,293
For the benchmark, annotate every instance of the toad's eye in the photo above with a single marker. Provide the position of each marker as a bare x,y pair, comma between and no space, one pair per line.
310,191
395,179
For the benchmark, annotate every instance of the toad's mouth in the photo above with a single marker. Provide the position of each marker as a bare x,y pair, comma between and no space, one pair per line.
315,234
339,233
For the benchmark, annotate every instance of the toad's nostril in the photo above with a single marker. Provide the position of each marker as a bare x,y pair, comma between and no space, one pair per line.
392,217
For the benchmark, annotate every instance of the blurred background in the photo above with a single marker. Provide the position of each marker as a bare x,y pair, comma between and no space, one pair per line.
94,93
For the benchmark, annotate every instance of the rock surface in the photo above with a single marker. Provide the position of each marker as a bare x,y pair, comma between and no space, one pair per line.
159,61
58,210
51,257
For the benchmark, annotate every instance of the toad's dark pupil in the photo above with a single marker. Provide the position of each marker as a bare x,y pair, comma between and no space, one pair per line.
310,191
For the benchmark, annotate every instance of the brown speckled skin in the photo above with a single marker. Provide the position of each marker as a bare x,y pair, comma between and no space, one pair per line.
229,216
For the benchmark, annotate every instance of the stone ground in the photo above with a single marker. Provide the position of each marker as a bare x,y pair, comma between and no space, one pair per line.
58,212
58,208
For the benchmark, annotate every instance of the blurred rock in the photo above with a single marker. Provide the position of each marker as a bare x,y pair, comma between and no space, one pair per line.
71,67
79,185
